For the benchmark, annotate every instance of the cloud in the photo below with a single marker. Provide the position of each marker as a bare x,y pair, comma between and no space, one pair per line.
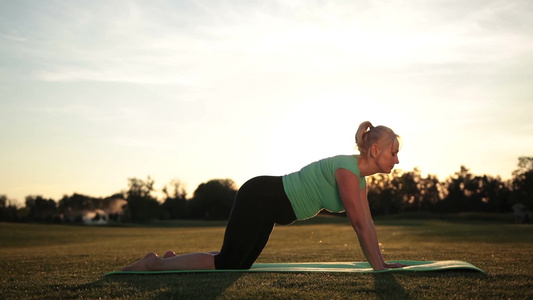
14,38
190,43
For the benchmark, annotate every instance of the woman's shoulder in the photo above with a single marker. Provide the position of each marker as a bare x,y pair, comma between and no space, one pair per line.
349,162
345,159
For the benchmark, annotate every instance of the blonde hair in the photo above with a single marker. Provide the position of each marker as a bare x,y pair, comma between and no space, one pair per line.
367,135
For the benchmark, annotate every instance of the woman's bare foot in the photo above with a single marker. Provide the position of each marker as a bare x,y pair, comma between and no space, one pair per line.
143,264
169,253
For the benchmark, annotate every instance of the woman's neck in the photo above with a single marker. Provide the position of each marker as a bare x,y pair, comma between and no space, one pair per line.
366,167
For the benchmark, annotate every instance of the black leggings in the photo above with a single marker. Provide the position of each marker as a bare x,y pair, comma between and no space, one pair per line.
260,203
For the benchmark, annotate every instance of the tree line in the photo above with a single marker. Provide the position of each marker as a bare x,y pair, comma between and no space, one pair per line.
212,200
398,192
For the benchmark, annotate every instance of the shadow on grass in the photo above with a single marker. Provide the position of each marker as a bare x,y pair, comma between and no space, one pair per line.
163,286
214,285
387,287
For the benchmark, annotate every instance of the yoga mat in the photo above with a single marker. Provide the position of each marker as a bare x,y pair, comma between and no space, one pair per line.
334,267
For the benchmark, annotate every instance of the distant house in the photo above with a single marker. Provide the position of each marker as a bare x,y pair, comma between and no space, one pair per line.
96,217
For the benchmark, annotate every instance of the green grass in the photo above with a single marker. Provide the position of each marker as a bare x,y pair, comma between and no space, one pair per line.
67,262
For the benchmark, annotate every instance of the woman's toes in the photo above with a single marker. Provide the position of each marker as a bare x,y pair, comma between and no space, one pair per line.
169,253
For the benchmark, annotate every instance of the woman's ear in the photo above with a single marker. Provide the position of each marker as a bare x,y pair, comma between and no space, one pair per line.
374,150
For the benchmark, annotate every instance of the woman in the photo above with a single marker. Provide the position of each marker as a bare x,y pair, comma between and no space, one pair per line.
336,184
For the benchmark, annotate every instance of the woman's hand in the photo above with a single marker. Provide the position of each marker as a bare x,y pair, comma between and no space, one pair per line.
394,265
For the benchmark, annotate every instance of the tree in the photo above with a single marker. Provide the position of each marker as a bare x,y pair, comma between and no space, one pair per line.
522,182
214,199
465,192
494,194
72,207
176,204
142,205
8,211
430,192
455,198
383,196
78,202
41,209
408,189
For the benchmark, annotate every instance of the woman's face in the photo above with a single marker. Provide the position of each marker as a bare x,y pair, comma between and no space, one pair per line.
388,156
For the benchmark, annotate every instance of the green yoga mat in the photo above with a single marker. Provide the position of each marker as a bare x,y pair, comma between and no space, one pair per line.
334,267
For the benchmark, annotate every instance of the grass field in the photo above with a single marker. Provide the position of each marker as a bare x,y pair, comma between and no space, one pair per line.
67,262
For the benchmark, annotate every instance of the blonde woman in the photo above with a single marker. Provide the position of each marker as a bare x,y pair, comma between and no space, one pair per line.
335,183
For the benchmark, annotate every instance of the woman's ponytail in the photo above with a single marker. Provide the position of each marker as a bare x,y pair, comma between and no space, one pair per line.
361,137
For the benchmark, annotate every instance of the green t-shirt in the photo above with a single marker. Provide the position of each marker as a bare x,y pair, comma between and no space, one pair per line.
314,187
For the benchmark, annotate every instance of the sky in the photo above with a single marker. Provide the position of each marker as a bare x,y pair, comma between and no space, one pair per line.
95,92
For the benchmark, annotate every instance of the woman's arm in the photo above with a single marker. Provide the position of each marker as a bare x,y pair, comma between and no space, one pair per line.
356,206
